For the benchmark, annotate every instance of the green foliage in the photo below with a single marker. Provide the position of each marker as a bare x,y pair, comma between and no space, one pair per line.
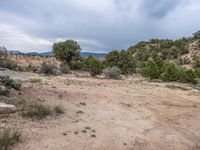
34,80
165,49
58,110
9,83
196,35
4,91
31,68
94,66
170,72
190,76
196,63
5,63
48,68
123,60
8,138
150,69
197,72
77,65
67,51
113,72
40,111
64,68
35,110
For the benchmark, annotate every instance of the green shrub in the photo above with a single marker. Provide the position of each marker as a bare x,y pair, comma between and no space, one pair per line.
113,72
58,110
93,65
32,68
187,76
64,68
5,63
34,80
123,60
4,92
150,69
197,72
48,68
39,111
35,110
9,83
196,63
170,72
77,65
8,138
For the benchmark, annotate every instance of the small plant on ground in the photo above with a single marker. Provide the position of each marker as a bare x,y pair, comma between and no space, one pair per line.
35,110
58,110
40,111
4,91
34,80
32,68
8,138
48,68
113,73
64,68
10,83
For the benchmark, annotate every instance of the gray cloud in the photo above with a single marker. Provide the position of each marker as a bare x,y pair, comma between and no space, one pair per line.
98,25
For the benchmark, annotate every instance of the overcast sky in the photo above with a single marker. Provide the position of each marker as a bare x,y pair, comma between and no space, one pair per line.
98,25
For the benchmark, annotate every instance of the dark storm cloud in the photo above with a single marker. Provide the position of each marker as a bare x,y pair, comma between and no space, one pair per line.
98,25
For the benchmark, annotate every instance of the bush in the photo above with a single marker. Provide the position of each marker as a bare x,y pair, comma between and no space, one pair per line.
196,63
197,72
93,65
123,60
150,69
4,92
113,72
5,63
40,111
188,76
58,110
48,68
170,72
64,68
35,110
34,80
9,83
8,138
32,68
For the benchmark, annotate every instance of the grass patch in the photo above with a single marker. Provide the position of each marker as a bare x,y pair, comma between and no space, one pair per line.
34,80
40,111
35,110
58,110
177,87
8,138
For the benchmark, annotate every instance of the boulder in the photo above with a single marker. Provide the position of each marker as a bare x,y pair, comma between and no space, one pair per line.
7,108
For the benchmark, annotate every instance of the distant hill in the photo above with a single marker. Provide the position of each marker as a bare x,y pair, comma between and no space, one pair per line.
83,54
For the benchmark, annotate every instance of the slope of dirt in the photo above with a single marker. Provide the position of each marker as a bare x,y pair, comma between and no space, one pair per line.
101,114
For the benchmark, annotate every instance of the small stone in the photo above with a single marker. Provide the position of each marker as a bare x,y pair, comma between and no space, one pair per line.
7,108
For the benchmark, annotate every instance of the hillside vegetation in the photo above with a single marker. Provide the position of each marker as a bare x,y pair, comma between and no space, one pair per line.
163,59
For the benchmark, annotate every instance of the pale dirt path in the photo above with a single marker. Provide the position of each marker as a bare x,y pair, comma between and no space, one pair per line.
123,115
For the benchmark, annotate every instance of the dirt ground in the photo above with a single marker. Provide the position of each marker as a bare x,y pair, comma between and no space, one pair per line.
102,114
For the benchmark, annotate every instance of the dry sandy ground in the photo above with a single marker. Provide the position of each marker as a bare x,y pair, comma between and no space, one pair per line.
101,114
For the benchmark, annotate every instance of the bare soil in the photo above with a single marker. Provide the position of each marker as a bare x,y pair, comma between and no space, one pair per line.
102,114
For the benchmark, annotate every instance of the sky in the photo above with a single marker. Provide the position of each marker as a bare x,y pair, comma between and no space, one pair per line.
97,25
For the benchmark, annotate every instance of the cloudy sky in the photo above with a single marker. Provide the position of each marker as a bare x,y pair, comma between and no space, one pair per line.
98,25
